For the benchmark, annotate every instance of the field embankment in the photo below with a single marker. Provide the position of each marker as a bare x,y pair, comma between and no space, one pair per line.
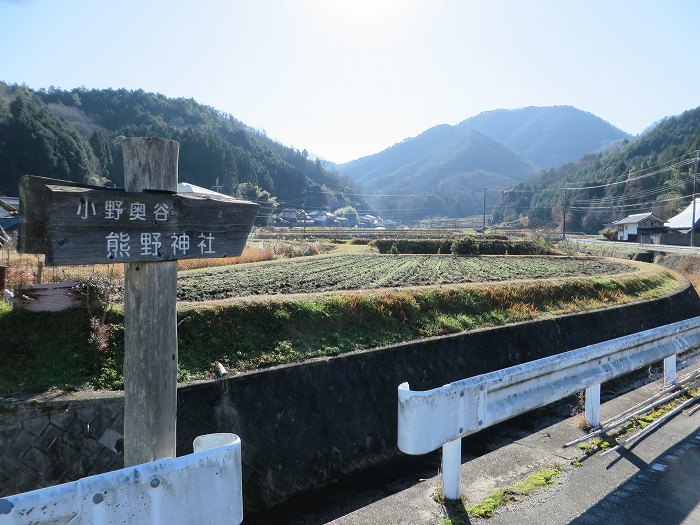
61,350
371,271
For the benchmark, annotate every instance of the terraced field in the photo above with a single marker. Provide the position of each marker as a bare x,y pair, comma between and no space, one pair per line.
369,271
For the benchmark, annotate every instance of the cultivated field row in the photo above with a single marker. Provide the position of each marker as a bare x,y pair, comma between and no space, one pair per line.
356,272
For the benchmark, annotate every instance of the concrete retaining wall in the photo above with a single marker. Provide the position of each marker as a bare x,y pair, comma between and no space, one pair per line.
306,425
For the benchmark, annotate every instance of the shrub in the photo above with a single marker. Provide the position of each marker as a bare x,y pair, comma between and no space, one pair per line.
609,233
465,246
412,246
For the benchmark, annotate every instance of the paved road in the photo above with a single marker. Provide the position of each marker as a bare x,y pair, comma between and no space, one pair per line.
655,482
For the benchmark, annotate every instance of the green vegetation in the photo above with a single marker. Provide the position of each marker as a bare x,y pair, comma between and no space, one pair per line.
465,246
369,271
542,197
471,244
34,140
76,135
52,350
486,507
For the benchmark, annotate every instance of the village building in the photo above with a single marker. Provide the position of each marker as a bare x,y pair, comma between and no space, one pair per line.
639,227
679,226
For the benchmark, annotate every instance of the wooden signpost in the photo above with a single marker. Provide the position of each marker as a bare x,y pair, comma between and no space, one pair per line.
149,226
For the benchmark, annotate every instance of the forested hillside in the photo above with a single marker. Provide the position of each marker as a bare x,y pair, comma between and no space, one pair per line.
547,136
443,171
654,172
75,135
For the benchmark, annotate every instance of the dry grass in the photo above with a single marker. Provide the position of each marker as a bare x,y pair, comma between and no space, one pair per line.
23,269
249,255
695,281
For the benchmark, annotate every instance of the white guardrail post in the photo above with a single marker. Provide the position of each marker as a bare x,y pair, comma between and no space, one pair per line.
203,488
592,410
451,463
670,369
431,419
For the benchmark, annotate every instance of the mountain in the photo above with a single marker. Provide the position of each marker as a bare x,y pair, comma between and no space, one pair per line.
547,136
75,135
654,172
442,171
446,168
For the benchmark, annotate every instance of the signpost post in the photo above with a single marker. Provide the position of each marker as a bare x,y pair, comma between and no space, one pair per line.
148,227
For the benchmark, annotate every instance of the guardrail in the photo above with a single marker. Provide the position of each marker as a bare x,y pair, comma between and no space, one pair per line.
203,488
428,420
667,248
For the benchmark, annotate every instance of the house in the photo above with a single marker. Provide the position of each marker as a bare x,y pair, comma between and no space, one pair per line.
683,222
324,218
639,227
292,217
186,187
9,221
9,206
679,226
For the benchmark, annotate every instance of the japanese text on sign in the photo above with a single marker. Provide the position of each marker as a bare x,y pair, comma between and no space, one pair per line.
114,209
119,244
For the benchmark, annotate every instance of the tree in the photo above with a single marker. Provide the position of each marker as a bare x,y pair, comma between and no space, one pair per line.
350,213
268,203
101,149
558,215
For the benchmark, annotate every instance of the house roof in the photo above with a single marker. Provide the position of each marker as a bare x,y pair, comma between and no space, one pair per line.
684,220
637,218
9,204
186,187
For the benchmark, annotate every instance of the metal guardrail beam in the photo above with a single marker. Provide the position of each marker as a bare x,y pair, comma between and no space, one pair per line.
203,488
428,420
666,248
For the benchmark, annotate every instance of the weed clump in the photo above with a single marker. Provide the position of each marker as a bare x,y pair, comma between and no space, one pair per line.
498,497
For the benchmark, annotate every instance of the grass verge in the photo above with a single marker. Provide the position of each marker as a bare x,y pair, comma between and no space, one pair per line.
42,351
501,496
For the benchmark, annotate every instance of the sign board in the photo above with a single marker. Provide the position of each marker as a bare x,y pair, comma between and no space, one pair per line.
79,224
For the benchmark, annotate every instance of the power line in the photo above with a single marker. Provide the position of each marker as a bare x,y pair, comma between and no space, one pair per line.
679,184
634,205
667,168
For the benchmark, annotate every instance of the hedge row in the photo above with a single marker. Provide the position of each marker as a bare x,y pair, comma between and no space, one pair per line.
414,246
463,246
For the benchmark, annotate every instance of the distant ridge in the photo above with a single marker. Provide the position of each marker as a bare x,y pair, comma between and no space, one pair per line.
448,166
667,151
547,136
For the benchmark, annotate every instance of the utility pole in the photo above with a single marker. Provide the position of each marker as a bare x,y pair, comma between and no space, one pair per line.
304,206
217,187
563,224
483,224
695,181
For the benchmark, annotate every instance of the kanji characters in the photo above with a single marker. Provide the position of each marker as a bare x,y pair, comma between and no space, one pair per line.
161,211
113,210
180,242
150,244
84,207
118,245
205,245
137,211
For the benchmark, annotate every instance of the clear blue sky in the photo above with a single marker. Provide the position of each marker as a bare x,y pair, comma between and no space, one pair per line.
347,78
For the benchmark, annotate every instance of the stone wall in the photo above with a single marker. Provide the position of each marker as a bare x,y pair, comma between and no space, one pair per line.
304,425
55,441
